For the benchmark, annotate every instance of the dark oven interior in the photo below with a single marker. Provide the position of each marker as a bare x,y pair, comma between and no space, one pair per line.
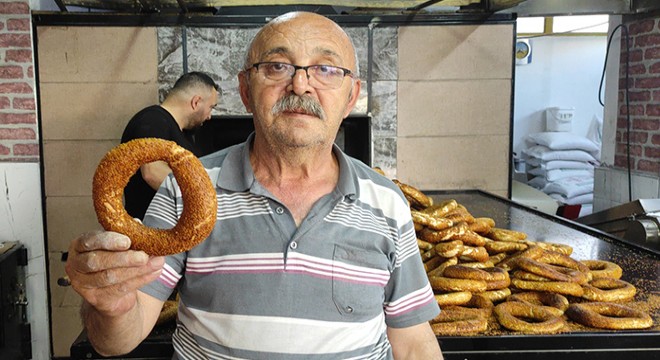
354,136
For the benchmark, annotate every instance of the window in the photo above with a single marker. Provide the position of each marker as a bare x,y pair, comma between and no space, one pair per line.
580,24
530,25
562,25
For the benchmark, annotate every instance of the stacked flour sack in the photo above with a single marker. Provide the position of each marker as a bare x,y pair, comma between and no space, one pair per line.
561,164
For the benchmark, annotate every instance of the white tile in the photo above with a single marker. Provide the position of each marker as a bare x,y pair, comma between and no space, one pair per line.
645,187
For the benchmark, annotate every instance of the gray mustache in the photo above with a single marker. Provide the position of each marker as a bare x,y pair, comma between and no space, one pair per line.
292,102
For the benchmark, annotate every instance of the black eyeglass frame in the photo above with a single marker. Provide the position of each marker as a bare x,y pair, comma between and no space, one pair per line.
255,66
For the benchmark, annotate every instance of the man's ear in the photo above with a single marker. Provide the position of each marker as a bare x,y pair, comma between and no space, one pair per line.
353,96
244,89
194,102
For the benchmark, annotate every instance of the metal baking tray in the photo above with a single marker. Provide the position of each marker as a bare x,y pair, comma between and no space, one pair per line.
641,267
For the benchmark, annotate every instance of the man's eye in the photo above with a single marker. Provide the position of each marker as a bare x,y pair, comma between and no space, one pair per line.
277,67
327,70
324,69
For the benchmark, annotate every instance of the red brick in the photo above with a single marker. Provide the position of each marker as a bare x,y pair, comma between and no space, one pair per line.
2,24
24,104
653,109
637,137
622,83
646,124
636,96
18,24
622,122
5,103
15,40
647,40
648,83
652,152
635,150
652,53
654,68
12,118
635,55
19,56
641,27
11,72
14,7
15,134
622,162
655,139
637,69
4,150
15,88
633,110
26,149
656,95
30,72
649,166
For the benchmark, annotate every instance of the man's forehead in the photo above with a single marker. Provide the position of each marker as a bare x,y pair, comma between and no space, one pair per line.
286,39
288,51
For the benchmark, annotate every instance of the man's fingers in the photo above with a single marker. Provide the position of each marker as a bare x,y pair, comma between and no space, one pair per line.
117,298
93,261
121,277
101,240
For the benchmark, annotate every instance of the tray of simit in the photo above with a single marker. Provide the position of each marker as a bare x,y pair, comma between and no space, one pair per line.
640,265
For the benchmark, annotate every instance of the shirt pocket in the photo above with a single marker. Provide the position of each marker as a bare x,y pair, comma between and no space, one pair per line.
359,277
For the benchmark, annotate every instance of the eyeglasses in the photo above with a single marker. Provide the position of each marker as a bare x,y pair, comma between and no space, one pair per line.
321,77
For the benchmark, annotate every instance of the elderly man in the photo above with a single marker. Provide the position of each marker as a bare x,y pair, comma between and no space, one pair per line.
313,254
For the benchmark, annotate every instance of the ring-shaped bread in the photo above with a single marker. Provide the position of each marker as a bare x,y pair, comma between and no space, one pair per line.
557,287
199,198
515,315
603,269
608,289
605,315
555,303
459,322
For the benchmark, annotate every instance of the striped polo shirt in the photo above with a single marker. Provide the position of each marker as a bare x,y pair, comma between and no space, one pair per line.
260,287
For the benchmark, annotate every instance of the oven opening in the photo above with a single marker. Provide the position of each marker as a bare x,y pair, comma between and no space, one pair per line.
353,137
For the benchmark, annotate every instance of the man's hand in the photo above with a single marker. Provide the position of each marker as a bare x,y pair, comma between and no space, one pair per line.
107,274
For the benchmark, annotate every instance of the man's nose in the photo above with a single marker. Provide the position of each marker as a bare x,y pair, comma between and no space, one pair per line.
300,81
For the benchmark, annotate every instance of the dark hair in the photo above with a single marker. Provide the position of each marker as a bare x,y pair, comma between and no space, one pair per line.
193,79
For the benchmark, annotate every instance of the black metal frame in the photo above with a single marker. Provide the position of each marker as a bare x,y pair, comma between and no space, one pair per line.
44,18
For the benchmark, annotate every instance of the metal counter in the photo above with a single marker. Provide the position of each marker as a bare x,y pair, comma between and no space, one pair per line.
641,267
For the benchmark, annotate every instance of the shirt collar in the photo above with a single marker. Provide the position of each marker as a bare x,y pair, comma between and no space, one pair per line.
239,158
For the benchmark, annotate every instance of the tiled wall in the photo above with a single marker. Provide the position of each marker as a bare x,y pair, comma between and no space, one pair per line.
91,81
611,187
444,107
454,99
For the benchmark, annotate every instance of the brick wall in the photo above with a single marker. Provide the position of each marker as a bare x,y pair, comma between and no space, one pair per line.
18,119
644,96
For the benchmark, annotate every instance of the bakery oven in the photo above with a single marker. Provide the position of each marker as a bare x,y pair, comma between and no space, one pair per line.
354,136
15,334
